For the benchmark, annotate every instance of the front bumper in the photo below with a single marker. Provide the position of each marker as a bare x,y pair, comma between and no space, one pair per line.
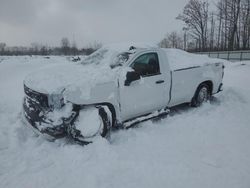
41,125
35,130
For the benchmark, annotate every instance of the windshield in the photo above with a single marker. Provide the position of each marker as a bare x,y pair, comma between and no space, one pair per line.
95,57
120,59
109,57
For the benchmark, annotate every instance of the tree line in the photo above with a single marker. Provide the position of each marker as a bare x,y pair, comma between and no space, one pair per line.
225,28
66,48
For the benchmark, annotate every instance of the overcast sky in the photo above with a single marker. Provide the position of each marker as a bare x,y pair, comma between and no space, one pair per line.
107,21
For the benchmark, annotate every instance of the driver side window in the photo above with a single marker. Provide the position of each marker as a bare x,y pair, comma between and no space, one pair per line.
146,64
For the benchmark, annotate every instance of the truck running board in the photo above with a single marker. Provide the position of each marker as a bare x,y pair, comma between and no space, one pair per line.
156,114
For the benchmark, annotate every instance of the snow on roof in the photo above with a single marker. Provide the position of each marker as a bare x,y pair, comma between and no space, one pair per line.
179,59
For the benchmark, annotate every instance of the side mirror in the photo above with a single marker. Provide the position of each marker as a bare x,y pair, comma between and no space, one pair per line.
130,77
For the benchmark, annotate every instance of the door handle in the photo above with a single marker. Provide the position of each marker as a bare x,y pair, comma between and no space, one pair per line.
159,81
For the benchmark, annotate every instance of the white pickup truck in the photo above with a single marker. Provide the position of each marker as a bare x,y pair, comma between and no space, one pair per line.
116,88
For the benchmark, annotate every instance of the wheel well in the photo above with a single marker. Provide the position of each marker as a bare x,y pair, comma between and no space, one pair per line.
112,110
209,83
109,105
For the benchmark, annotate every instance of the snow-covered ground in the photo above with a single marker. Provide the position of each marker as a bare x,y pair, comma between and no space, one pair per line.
193,147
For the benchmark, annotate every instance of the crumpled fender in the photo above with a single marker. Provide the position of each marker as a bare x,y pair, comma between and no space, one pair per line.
101,93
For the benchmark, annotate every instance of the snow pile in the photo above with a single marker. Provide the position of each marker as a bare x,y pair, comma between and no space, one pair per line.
179,59
192,148
94,69
93,125
55,79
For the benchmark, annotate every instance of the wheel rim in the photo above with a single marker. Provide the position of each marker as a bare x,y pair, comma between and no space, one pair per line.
203,95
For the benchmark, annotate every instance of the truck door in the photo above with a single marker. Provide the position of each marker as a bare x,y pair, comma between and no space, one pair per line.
147,94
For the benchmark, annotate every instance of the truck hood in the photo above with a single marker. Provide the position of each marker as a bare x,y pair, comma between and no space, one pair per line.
78,78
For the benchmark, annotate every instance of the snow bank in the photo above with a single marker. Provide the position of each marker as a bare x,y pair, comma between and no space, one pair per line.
192,148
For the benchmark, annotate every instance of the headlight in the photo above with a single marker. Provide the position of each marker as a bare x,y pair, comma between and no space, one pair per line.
56,101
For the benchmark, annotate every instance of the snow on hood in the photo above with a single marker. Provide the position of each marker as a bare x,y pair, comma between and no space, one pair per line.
93,70
59,77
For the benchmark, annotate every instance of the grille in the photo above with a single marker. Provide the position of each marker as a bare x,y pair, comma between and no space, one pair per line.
39,98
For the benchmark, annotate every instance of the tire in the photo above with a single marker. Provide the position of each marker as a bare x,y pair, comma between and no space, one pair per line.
201,95
76,133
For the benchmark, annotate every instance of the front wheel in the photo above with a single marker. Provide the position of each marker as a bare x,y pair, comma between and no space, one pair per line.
202,95
90,123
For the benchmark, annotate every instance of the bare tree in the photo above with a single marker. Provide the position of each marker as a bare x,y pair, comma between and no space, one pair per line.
219,17
2,46
44,50
232,19
172,40
95,45
234,7
185,38
91,47
211,36
35,48
74,49
164,43
65,46
245,23
195,16
175,40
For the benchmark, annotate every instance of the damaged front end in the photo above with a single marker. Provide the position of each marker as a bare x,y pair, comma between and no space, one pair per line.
49,115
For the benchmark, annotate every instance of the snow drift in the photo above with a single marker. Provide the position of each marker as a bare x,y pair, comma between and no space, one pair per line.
203,147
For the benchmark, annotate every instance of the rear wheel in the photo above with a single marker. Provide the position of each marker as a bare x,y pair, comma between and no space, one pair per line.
91,123
202,95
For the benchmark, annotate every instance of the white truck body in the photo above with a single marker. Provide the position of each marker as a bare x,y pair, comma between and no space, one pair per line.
175,81
144,96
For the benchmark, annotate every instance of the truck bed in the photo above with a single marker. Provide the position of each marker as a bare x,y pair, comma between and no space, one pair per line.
181,60
188,71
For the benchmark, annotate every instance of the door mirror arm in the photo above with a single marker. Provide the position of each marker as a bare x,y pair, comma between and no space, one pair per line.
130,77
